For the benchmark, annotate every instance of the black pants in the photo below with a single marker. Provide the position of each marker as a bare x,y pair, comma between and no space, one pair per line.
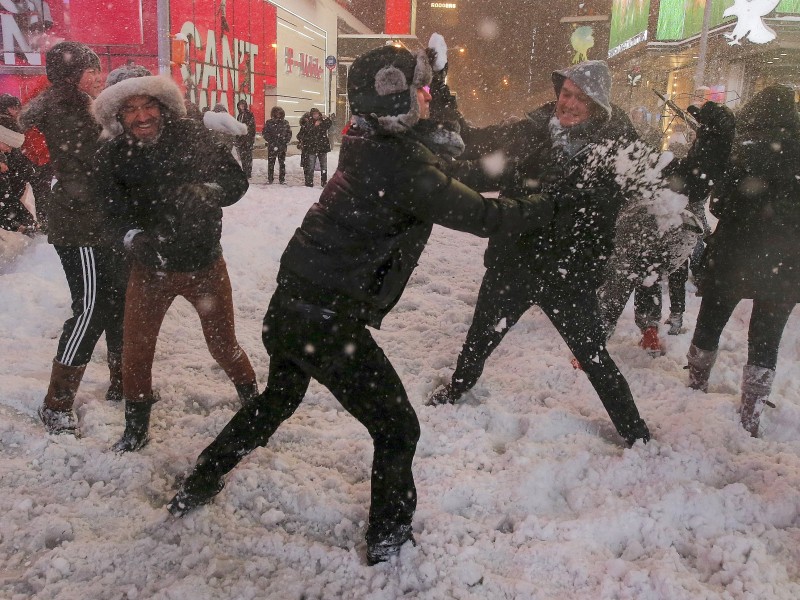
677,288
647,306
767,322
97,278
343,356
502,300
280,154
245,151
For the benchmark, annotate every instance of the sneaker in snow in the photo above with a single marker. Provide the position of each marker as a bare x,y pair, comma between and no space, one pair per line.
59,421
675,322
195,491
385,546
651,343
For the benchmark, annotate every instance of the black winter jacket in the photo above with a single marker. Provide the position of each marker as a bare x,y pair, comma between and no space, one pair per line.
248,119
574,247
76,215
357,246
277,134
173,190
755,250
315,137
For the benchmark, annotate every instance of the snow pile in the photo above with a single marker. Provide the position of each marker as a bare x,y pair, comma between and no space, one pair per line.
524,489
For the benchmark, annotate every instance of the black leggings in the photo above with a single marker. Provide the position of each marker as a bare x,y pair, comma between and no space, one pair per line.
767,322
343,356
97,278
576,316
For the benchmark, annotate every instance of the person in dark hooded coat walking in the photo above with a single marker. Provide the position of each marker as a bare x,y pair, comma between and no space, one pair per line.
344,270
754,251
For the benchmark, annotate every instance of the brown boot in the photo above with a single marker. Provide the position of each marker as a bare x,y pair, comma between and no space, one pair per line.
56,410
114,392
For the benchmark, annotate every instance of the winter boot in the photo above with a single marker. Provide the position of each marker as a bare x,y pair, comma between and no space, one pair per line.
56,410
700,364
756,386
651,343
635,431
114,392
247,392
443,395
197,489
386,544
137,423
675,322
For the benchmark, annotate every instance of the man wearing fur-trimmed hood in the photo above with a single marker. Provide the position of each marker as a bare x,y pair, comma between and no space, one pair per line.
344,269
165,182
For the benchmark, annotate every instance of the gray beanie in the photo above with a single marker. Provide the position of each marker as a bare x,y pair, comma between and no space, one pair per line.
126,72
594,79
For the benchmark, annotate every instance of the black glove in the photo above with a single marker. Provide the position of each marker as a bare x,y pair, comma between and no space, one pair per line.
537,211
716,120
144,249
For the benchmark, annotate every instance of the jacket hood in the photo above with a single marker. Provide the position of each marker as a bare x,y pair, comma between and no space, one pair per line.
277,113
594,79
107,105
771,109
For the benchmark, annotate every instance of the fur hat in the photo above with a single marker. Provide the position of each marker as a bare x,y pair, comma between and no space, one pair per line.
66,62
107,105
594,79
11,137
383,84
126,72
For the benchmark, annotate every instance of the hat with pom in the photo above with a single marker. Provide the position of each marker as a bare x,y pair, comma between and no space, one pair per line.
383,84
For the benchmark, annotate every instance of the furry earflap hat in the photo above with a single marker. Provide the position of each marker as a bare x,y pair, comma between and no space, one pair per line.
66,61
594,79
107,105
383,84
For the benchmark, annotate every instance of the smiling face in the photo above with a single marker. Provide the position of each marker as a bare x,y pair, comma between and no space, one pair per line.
141,118
91,82
573,106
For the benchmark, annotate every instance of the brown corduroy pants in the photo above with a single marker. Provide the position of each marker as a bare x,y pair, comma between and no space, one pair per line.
149,296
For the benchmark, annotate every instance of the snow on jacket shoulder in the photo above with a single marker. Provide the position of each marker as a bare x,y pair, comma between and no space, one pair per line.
358,245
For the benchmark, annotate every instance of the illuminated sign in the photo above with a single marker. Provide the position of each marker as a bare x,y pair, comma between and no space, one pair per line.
306,65
681,19
628,24
443,5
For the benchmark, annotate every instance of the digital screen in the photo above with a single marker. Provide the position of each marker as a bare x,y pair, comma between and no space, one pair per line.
628,20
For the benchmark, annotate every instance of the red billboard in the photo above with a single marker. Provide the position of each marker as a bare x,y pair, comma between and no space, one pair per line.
231,51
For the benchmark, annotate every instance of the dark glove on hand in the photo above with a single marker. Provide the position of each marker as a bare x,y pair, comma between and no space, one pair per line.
537,210
716,120
145,250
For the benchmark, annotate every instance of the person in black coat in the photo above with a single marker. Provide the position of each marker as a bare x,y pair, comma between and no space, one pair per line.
244,143
557,267
344,270
754,251
316,145
277,133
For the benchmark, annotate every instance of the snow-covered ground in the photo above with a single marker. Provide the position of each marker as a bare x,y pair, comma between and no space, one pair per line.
524,489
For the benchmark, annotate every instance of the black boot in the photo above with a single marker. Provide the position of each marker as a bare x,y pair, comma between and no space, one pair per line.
137,423
247,391
114,392
197,489
443,395
383,545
